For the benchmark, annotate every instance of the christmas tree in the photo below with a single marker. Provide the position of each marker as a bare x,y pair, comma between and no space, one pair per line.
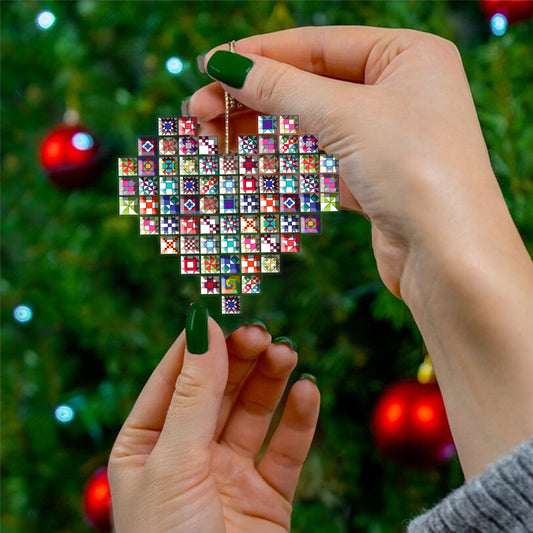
89,306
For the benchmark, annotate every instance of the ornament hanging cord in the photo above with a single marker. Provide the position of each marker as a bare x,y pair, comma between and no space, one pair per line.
228,102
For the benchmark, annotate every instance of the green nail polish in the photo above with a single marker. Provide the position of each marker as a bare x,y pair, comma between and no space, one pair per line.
309,377
257,322
229,68
286,340
196,329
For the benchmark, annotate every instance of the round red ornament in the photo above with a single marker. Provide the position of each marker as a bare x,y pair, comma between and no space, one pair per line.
71,157
410,426
97,501
512,10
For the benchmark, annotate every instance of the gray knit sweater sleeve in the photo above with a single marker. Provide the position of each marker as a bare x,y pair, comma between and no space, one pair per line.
499,500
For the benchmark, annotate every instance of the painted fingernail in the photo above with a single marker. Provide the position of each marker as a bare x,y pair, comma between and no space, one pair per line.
185,106
200,63
196,329
286,340
229,68
257,322
309,377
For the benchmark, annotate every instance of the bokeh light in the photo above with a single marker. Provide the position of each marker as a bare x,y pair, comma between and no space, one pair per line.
498,24
82,141
23,313
45,20
64,414
174,65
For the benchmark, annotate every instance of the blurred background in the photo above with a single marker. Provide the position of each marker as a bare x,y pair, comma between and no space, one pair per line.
89,306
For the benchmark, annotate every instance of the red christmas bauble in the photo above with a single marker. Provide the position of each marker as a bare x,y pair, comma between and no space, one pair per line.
513,10
410,426
97,501
71,157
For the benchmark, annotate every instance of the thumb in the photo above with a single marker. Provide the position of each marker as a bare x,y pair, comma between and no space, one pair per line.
275,88
193,411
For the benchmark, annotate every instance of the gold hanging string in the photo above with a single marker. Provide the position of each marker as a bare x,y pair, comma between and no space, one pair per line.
228,103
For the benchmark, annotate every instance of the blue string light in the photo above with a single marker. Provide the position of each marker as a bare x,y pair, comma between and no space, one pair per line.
45,20
498,24
23,313
174,65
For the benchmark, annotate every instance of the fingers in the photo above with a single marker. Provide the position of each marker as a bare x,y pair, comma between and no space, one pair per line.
257,400
282,463
193,411
244,346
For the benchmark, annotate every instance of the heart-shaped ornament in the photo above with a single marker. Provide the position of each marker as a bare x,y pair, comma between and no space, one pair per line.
229,216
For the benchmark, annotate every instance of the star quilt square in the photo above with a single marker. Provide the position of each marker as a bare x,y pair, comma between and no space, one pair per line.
248,164
231,305
290,242
229,184
188,126
288,164
190,244
329,163
210,284
229,224
230,244
168,126
229,203
208,165
210,244
188,145
189,185
268,184
267,124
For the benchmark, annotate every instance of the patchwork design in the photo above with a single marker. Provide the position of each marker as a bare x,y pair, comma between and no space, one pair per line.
229,217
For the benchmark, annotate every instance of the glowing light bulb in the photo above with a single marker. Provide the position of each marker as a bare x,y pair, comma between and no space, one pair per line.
45,20
498,24
22,313
64,414
174,65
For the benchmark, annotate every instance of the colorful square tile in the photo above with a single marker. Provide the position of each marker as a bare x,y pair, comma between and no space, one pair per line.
210,264
231,305
251,263
128,206
209,205
170,205
149,225
289,203
147,146
208,184
188,126
188,145
310,202
190,225
268,164
249,203
190,244
288,164
169,225
168,146
329,183
310,223
230,244
247,144
230,284
148,185
308,144
147,166
270,244
188,165
190,205
210,244
230,264
169,245
169,185
289,184
149,205
168,126
250,243
267,124
288,144
209,224
309,163
251,284
208,165
128,186
249,223
330,202
207,145
289,223
269,184
290,242
268,144
189,185
309,183
210,285
288,124
269,203
249,184
248,164
229,224
270,264
127,166
329,163
229,203
269,223
190,264
228,165
229,184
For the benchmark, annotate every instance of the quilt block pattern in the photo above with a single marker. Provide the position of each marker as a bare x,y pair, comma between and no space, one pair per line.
229,217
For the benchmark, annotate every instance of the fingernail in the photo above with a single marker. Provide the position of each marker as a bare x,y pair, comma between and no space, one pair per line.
257,322
200,63
286,340
185,106
229,68
310,377
196,329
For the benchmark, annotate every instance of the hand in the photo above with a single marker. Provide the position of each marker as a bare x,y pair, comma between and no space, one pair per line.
186,457
396,106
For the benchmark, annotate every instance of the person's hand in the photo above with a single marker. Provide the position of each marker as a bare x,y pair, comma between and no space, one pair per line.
396,106
186,459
